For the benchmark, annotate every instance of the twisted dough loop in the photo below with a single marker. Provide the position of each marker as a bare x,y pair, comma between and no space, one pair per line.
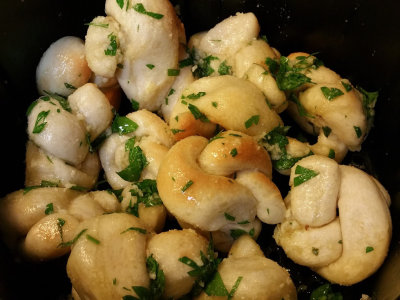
153,137
31,219
195,181
344,249
262,278
227,101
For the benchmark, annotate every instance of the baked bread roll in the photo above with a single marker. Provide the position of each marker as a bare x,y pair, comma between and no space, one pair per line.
344,248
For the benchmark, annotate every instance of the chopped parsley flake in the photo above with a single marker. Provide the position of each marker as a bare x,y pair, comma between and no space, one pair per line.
175,130
205,272
140,230
61,99
113,46
137,162
288,77
203,67
49,209
326,130
304,175
98,24
134,104
120,3
331,154
150,66
69,86
123,125
140,9
315,251
252,121
173,72
234,152
224,69
187,185
347,86
157,283
79,188
198,115
44,183
215,104
369,249
358,131
229,217
60,224
235,134
73,241
40,122
92,239
331,93
31,106
368,102
300,108
216,287
194,96
243,222
325,292
236,233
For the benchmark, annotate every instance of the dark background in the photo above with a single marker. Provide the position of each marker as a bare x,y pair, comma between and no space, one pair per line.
357,39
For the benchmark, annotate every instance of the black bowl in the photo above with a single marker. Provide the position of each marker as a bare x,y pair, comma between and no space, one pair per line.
357,39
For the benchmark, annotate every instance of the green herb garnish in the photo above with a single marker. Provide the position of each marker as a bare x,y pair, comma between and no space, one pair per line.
358,131
123,125
69,86
173,72
304,175
61,99
175,130
73,241
97,24
331,93
326,130
325,292
140,9
150,66
30,107
347,86
205,272
198,115
203,66
368,102
194,96
369,249
140,230
332,154
187,185
229,217
40,122
92,239
157,285
135,105
234,152
300,108
224,69
120,3
252,121
288,77
113,46
49,209
137,162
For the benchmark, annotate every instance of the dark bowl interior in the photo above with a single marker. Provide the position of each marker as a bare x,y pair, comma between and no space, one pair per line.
358,39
